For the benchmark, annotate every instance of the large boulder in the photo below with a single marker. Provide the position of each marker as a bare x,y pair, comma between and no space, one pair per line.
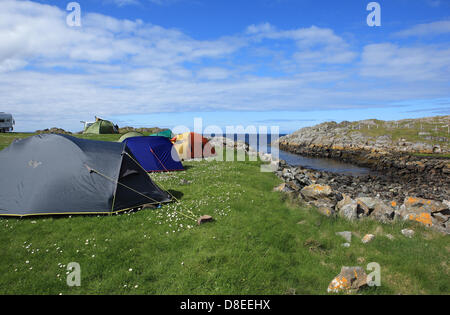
419,205
382,212
424,211
317,192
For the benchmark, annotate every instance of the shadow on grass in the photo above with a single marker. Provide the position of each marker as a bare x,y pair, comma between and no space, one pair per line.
175,193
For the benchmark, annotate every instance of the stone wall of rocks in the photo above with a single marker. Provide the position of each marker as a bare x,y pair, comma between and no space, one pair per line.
354,198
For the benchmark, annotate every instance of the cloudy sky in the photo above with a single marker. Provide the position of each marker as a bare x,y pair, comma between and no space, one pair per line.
286,63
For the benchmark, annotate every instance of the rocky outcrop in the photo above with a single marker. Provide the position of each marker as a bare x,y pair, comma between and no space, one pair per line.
393,157
126,129
358,136
54,130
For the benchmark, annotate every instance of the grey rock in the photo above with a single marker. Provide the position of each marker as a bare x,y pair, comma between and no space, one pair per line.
382,212
347,235
408,233
347,208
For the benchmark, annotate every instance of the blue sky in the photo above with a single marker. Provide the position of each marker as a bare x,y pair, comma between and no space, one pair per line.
289,63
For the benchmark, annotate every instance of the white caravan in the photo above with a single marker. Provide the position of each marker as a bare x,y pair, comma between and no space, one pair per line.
6,122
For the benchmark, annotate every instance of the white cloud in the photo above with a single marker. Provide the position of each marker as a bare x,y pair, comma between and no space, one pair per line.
214,73
419,63
31,31
122,3
55,75
428,29
314,44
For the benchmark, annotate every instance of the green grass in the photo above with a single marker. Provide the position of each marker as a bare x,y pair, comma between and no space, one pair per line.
261,242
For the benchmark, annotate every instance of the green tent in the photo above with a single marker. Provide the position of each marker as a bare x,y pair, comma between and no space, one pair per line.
101,127
166,133
130,135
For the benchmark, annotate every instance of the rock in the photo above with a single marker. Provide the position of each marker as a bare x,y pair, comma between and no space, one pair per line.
408,233
204,219
303,180
315,192
368,201
292,185
326,211
440,217
345,245
349,279
382,212
367,238
423,218
347,208
280,187
421,210
347,235
361,209
420,205
446,203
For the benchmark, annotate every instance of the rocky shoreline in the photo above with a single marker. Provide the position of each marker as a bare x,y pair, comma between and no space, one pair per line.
358,197
403,185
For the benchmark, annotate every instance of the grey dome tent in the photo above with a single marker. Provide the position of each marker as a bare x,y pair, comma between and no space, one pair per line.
59,174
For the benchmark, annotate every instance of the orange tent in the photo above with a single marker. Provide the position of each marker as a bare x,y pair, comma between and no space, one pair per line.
191,145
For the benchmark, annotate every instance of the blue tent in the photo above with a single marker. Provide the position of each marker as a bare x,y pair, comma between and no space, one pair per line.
155,154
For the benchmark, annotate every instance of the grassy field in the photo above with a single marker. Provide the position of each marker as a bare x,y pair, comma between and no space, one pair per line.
261,242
